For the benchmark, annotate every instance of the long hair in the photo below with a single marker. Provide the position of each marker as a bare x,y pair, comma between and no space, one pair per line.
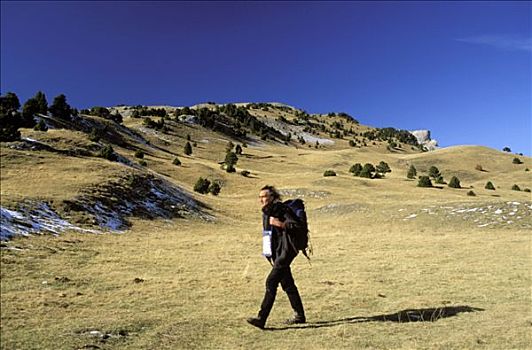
273,192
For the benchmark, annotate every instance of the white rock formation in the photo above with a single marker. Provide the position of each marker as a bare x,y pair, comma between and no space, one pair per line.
423,138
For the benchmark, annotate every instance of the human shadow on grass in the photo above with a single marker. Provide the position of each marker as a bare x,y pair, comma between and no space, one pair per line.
403,316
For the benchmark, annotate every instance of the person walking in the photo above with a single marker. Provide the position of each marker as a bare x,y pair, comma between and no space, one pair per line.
276,218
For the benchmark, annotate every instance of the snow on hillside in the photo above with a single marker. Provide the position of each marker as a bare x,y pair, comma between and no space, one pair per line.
39,220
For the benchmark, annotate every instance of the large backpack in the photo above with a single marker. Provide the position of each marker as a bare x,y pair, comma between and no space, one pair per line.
298,234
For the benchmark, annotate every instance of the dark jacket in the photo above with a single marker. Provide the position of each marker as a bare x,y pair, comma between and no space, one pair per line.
283,252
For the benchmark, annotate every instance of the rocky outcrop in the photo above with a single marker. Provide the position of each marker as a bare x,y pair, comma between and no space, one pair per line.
423,138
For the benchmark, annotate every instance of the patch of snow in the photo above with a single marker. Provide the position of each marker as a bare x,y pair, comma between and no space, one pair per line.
498,211
39,220
410,217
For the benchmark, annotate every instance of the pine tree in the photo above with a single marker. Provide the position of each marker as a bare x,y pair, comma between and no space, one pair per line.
40,97
454,182
188,149
367,171
412,172
434,172
29,110
238,149
60,108
489,186
424,181
202,186
516,188
176,161
230,161
383,168
10,119
356,169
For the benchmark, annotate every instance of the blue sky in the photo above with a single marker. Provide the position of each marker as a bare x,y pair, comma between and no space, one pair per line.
459,69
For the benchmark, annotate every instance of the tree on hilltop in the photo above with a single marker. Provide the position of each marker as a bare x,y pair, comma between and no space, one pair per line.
9,117
40,97
60,108
29,110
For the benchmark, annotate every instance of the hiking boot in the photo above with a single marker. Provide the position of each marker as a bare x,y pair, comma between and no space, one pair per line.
256,321
296,320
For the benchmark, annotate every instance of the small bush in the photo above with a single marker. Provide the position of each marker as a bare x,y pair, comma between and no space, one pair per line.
202,186
245,173
479,167
516,188
329,173
489,186
517,161
471,193
440,180
143,163
108,153
40,126
95,135
454,182
527,169
424,181
139,154
215,188
176,161
527,190
352,143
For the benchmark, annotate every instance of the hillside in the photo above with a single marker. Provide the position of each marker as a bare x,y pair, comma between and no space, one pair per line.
186,269
59,167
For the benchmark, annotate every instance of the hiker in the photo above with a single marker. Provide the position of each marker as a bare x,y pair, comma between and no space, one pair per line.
277,219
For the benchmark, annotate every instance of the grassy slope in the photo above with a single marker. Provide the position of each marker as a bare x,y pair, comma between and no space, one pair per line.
201,280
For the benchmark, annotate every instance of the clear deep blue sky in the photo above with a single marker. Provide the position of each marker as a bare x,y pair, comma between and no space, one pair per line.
459,69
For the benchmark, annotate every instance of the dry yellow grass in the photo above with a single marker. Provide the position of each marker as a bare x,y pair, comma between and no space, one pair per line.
381,247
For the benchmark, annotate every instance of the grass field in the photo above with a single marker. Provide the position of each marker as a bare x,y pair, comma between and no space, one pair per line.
395,266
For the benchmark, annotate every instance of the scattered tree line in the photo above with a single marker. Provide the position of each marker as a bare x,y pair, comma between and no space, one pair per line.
11,118
391,134
370,171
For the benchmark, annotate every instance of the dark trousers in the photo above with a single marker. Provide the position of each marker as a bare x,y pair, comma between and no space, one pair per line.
281,275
